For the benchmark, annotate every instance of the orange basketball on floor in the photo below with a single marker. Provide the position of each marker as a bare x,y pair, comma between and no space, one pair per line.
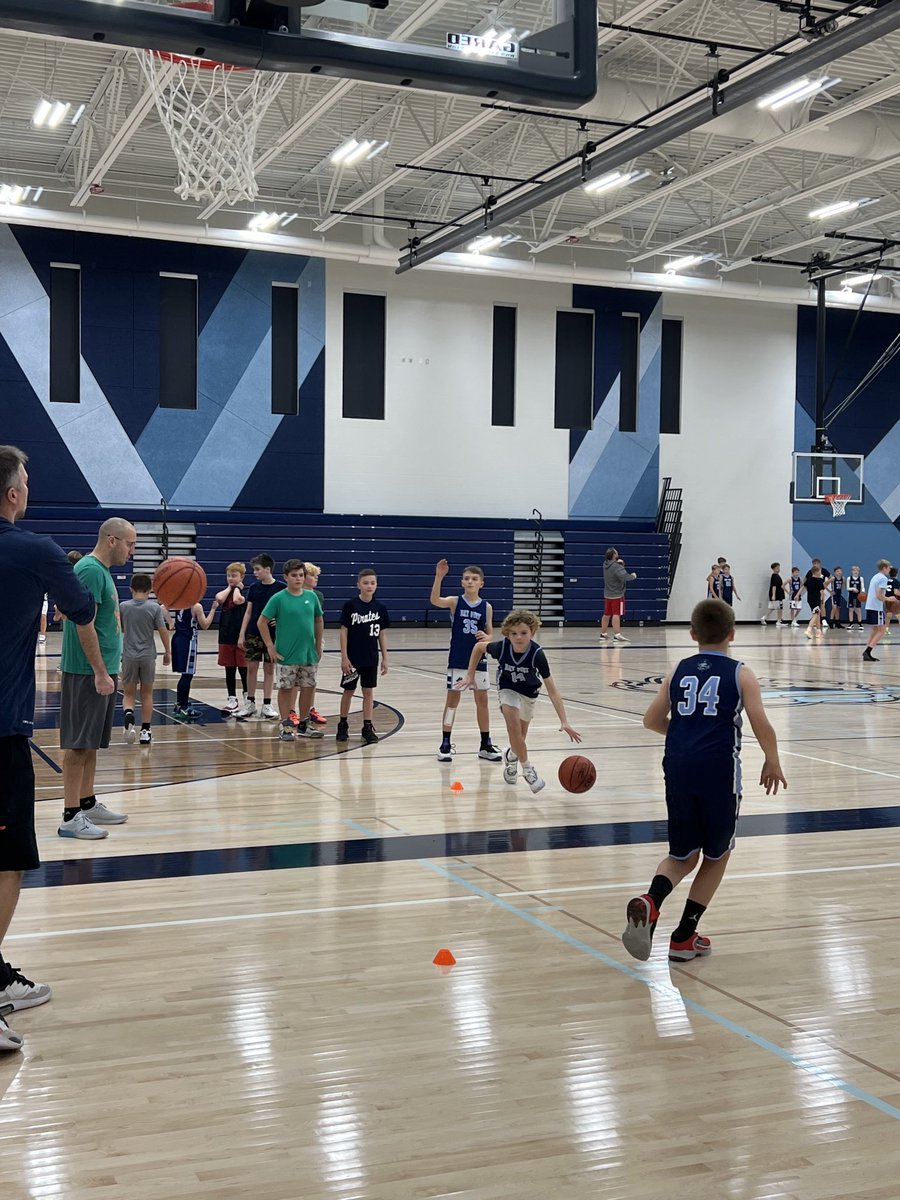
179,582
577,774
862,597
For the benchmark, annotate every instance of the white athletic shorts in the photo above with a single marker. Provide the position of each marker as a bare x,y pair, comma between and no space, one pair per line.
525,704
456,675
796,605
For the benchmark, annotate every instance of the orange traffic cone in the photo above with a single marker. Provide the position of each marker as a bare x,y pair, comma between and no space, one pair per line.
457,787
444,958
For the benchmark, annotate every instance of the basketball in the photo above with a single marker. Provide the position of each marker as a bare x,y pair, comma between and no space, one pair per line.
862,597
179,582
577,774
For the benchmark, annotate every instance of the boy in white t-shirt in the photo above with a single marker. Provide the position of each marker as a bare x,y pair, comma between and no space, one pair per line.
875,619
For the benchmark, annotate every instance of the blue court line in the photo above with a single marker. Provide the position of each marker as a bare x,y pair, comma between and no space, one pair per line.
671,992
399,847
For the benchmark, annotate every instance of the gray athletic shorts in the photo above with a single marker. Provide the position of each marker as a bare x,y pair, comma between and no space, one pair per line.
85,718
138,670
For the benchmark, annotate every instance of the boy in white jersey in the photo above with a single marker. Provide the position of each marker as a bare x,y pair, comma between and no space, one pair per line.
875,606
470,616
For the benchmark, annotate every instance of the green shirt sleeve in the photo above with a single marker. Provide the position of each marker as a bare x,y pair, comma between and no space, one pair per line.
272,607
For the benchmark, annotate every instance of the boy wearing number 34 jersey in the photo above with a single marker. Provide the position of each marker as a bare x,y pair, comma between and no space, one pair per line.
698,709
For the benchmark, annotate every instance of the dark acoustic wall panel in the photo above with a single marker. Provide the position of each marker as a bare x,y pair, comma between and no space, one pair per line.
65,335
503,367
574,390
177,341
285,334
670,387
629,380
364,356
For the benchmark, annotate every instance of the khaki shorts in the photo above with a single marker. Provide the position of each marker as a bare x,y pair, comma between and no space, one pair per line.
85,718
138,670
295,675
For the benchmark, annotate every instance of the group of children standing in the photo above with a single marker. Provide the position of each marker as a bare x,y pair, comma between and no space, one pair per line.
279,626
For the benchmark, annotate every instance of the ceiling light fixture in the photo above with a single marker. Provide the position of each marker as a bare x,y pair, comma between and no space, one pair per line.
486,241
42,112
682,264
60,108
617,179
858,280
800,89
834,210
267,222
342,151
14,193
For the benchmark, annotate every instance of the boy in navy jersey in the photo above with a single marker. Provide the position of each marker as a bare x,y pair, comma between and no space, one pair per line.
471,615
521,668
727,587
363,624
795,587
855,585
698,709
186,626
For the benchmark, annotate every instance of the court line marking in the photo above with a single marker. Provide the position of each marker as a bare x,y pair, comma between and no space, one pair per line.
670,992
847,766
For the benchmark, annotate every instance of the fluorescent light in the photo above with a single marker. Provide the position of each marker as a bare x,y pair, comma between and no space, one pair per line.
360,152
42,112
833,210
800,89
37,195
60,108
266,222
682,264
287,221
616,179
378,150
858,280
79,113
14,193
342,151
486,241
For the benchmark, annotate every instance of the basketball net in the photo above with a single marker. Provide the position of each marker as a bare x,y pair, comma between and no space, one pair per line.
212,114
838,502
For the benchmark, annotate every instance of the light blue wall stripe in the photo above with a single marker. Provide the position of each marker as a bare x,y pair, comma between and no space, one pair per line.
91,430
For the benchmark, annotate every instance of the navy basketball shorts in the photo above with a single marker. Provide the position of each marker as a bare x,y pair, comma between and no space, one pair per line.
703,808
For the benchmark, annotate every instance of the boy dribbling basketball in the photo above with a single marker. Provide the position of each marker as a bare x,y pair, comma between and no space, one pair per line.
698,709
521,669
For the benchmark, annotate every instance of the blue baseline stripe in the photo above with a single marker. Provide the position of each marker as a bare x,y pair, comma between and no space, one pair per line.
372,848
46,757
673,993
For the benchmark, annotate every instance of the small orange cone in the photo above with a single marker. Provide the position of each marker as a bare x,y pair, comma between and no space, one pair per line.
457,787
444,958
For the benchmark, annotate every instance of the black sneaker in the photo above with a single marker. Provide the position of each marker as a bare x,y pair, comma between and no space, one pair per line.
490,753
868,656
369,736
343,731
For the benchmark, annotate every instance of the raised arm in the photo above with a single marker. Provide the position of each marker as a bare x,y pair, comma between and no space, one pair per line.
203,620
437,600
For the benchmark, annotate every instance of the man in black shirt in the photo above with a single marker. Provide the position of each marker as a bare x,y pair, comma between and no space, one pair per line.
363,624
815,584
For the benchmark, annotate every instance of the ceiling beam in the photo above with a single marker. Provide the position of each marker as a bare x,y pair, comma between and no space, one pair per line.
696,113
120,140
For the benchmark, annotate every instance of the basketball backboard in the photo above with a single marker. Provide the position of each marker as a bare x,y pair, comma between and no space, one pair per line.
550,58
817,475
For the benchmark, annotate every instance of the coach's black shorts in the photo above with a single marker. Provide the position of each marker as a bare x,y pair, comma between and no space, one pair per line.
367,678
703,807
18,845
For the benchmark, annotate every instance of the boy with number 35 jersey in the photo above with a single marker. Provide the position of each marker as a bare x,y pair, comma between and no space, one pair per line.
698,709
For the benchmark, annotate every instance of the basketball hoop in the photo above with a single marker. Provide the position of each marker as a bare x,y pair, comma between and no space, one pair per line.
838,502
212,113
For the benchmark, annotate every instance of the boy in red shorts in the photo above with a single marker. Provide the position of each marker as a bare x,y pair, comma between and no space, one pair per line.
232,606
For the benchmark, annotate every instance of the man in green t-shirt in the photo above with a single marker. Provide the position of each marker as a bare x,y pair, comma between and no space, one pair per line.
85,718
299,627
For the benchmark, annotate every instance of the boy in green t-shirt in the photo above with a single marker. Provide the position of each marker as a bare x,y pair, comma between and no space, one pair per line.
299,628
